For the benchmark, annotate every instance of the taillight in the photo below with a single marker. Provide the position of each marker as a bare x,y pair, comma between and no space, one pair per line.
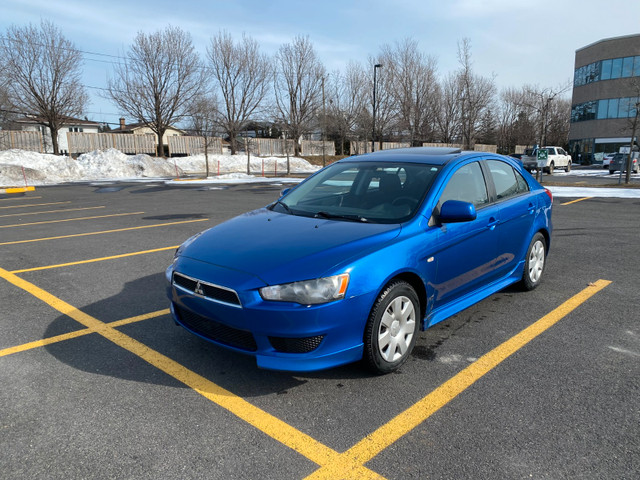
548,192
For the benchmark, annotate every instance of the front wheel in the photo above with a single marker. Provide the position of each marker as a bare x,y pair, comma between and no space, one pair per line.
534,262
392,327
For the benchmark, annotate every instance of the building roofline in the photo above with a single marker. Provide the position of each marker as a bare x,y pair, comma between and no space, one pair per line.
608,40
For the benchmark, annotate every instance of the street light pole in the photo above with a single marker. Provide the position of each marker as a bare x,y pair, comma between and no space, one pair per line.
373,133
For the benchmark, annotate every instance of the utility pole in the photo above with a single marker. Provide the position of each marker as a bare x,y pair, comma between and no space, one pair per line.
324,126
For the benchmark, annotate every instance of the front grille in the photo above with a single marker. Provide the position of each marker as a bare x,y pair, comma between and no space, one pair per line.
296,345
208,290
216,331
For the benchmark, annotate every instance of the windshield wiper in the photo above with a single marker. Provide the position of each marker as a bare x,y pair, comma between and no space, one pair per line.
352,218
286,207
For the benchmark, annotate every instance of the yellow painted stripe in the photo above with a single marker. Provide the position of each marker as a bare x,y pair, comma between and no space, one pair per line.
92,260
104,231
406,421
575,201
71,219
16,198
263,421
17,189
62,210
34,205
78,333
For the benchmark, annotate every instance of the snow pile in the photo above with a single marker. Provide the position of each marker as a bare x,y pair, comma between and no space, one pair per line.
47,169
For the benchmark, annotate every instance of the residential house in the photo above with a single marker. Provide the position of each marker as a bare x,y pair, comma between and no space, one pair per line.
33,123
143,129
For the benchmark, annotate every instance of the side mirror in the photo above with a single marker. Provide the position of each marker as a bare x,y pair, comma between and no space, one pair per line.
284,191
455,211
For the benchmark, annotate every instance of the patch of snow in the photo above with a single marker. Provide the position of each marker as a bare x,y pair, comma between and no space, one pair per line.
111,164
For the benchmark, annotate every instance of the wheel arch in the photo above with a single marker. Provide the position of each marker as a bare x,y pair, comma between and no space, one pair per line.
416,283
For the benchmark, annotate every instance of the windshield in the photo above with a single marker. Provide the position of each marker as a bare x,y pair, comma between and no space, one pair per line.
362,192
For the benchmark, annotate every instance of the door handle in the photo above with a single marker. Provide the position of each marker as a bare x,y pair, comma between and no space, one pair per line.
532,208
492,223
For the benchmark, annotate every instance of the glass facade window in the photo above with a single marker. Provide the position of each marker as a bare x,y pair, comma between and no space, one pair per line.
613,108
605,109
616,68
606,70
627,67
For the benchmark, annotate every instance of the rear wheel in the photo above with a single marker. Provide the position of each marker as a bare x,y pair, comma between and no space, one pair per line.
568,169
391,330
534,262
551,168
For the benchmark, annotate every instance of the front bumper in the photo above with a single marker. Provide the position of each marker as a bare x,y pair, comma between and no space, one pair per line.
280,335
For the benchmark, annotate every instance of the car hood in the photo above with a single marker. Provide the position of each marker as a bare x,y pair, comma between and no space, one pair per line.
281,248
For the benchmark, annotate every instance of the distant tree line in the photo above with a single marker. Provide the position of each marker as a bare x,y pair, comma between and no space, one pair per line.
162,81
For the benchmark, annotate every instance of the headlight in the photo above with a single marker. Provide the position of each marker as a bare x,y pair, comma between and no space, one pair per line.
309,292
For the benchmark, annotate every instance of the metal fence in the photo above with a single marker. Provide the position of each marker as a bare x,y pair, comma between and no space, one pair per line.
30,141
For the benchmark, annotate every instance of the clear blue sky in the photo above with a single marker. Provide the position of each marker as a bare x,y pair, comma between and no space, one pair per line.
521,42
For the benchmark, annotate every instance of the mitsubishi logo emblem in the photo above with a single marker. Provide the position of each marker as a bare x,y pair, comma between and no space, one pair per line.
198,290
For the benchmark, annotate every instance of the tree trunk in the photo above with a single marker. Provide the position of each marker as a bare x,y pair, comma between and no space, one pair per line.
54,140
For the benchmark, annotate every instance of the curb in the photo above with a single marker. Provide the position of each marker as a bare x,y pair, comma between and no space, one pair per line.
17,189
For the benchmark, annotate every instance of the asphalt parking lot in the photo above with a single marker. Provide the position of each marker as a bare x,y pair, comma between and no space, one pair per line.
97,381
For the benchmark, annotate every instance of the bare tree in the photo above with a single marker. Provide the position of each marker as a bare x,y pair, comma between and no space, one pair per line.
413,89
298,87
507,117
541,101
242,74
44,69
159,80
7,112
477,94
203,118
448,118
347,99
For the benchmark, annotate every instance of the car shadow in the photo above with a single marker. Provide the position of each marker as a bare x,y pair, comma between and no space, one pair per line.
233,371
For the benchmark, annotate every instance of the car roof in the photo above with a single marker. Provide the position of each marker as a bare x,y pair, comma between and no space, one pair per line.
429,155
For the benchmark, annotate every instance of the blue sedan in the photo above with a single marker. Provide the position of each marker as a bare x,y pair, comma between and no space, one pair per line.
349,264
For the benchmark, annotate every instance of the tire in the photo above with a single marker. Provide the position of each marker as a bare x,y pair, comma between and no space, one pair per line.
392,328
534,262
551,168
568,169
611,172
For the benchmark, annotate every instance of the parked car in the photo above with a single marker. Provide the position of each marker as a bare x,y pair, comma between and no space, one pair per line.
619,162
556,158
606,160
517,156
355,260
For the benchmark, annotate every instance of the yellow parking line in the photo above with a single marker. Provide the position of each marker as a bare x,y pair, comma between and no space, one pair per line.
263,421
71,219
78,333
101,259
103,231
387,434
17,198
62,210
34,205
575,201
